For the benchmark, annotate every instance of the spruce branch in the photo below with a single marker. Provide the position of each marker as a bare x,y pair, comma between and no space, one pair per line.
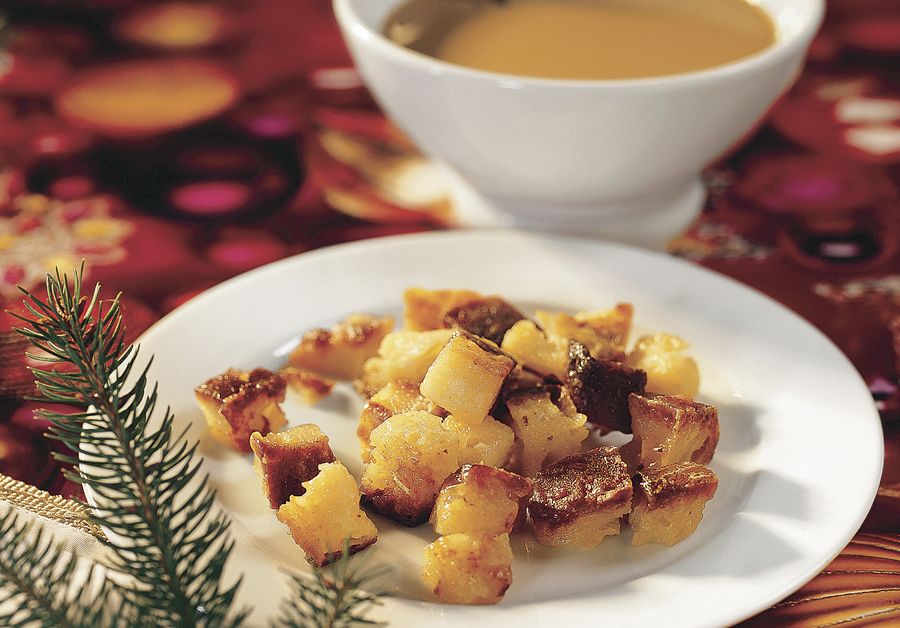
38,583
173,542
339,601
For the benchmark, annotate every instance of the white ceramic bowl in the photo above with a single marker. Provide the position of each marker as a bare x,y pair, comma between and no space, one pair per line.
618,157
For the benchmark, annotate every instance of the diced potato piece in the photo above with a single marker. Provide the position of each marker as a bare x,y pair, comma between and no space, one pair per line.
604,333
327,515
395,398
488,317
489,442
669,502
463,569
548,355
236,404
578,500
312,388
412,454
546,425
600,388
424,309
284,461
403,355
669,370
669,429
466,377
341,351
479,499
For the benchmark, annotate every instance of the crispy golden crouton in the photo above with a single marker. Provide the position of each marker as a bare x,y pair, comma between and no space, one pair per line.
312,388
532,348
479,499
578,500
395,398
341,351
669,429
284,461
464,569
424,309
236,404
403,355
546,425
669,502
669,370
412,454
489,442
327,515
604,333
466,377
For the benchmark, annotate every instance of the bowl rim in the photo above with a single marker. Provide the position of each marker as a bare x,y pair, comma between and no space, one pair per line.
782,50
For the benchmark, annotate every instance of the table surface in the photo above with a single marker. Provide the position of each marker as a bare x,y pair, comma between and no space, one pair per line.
283,151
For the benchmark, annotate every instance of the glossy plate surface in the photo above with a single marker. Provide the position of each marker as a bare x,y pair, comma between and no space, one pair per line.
799,459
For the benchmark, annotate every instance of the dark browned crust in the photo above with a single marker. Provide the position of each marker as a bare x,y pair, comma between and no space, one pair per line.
600,388
285,467
299,379
404,512
353,548
658,487
357,331
673,410
592,481
490,317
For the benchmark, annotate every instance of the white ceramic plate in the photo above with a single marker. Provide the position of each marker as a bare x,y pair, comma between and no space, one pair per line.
798,463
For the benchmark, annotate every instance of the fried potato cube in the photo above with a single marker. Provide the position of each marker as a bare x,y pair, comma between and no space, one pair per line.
403,355
466,377
600,388
669,502
605,332
578,500
488,317
395,398
424,309
284,461
464,569
546,425
479,499
236,404
669,429
489,442
327,515
341,351
669,370
412,454
548,355
312,388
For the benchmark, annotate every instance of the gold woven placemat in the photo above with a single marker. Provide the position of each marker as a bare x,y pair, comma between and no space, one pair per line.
59,509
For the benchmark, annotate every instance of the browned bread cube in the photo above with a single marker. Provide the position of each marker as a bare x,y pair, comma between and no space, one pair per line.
489,442
327,515
395,398
669,370
600,388
546,425
403,355
488,317
479,499
532,348
341,351
284,461
604,333
311,387
669,429
236,404
466,377
412,454
578,500
424,309
464,569
669,502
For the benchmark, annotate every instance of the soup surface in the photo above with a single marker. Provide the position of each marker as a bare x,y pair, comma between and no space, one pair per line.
583,39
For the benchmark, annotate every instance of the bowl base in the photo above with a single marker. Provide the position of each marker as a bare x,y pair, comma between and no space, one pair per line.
650,221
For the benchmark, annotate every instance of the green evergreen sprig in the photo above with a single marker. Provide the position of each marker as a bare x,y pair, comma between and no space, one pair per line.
167,536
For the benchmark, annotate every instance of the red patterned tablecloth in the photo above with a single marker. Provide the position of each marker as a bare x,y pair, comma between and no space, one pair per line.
283,151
